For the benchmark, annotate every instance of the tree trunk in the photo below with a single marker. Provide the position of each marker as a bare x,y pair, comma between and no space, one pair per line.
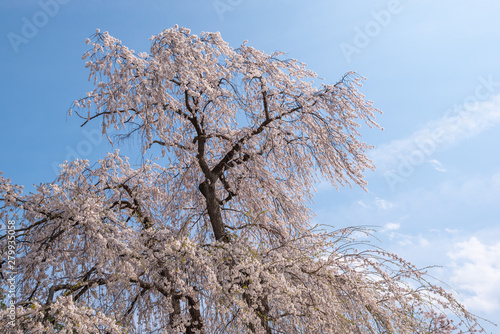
207,188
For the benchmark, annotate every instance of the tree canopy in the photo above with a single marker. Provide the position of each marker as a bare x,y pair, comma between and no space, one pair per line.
214,233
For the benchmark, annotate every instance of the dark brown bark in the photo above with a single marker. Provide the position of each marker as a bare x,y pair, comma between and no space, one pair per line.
262,310
207,188
193,305
176,313
196,325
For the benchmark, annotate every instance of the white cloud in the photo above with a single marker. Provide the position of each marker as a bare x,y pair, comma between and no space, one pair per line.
408,240
451,230
403,239
392,226
378,202
423,242
383,204
437,165
361,203
476,272
457,124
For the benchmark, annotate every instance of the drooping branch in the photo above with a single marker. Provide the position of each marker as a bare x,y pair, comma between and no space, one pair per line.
143,218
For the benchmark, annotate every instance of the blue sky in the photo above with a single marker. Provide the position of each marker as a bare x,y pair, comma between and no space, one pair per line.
432,67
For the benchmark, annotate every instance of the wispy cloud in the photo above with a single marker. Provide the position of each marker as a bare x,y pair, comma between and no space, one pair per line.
437,165
383,204
403,239
458,123
364,205
378,203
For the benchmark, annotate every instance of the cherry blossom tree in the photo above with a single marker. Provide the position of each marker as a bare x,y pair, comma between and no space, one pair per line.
213,234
